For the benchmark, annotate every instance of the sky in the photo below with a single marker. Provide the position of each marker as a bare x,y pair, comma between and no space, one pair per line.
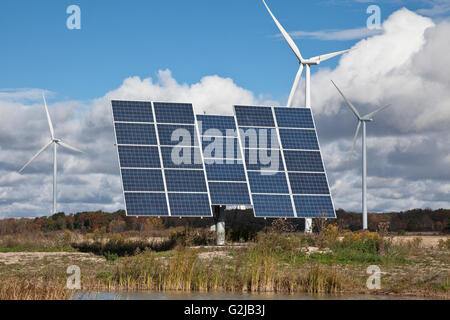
216,54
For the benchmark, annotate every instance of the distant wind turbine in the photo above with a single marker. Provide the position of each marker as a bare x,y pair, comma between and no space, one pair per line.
304,63
55,142
367,118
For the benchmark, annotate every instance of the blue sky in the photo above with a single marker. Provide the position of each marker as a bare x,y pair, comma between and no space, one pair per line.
118,39
216,54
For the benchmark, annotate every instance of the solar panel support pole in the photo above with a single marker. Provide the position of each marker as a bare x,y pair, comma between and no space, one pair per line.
308,225
220,225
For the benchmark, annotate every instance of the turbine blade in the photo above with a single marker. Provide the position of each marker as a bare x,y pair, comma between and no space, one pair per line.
370,115
36,155
286,35
65,145
352,107
50,124
354,141
295,86
327,56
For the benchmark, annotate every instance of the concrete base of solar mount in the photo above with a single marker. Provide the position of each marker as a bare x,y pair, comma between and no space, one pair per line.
219,215
308,225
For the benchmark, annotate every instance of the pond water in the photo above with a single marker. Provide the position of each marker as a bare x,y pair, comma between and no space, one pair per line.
173,295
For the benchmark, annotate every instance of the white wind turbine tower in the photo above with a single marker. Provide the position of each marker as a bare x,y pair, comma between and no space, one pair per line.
364,119
304,63
55,142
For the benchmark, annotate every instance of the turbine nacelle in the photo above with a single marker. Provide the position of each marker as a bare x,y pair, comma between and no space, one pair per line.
310,62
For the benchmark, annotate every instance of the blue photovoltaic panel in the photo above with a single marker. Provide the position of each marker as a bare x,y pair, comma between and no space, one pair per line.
221,148
314,206
182,135
142,180
135,133
269,160
174,112
303,161
225,172
216,126
268,182
181,157
139,157
294,118
185,180
304,173
132,111
254,116
260,138
229,193
299,139
148,159
278,206
308,183
146,204
189,204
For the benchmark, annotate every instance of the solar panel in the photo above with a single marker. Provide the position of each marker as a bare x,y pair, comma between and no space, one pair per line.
299,139
254,116
216,126
189,204
229,193
139,157
274,206
225,171
286,181
303,161
308,183
221,148
182,157
222,155
181,135
270,182
174,112
185,180
314,206
142,180
146,204
294,118
132,111
136,133
162,169
261,138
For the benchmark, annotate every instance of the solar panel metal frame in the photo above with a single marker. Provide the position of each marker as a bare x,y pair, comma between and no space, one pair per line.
286,171
162,167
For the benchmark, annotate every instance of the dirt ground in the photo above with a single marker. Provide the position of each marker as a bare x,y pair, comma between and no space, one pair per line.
427,241
23,258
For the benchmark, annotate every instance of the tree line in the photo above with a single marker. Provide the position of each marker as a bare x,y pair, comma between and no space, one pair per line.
416,220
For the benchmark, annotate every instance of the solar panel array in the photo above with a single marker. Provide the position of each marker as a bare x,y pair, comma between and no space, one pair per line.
162,169
283,163
176,164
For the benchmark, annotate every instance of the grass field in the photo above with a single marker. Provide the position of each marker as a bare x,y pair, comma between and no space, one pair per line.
33,266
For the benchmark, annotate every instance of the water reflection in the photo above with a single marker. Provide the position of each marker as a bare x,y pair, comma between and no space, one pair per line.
174,295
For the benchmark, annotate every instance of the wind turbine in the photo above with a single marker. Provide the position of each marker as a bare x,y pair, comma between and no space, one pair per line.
55,142
304,63
364,119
